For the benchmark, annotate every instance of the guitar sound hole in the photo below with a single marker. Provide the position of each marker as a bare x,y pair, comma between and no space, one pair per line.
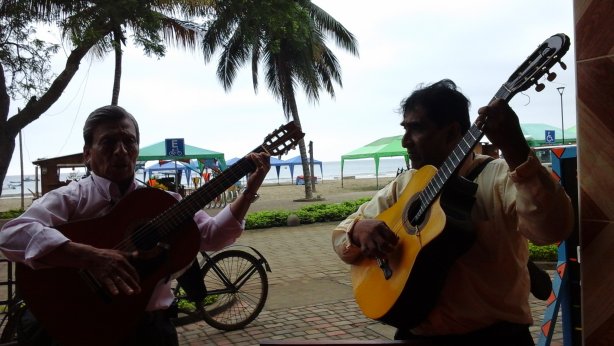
144,240
412,211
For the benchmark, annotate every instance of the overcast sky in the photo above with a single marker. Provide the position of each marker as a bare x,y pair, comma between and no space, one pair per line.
476,43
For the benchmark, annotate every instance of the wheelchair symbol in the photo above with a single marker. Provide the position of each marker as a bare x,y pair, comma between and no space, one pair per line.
549,138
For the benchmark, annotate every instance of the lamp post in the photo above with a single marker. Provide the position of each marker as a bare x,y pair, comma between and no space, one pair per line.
561,89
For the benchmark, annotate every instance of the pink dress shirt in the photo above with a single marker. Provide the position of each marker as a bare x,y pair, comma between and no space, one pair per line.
32,235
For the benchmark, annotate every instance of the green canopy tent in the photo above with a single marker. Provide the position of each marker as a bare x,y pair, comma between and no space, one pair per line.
157,152
383,147
535,134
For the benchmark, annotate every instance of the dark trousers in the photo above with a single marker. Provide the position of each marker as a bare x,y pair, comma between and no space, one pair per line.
155,329
500,334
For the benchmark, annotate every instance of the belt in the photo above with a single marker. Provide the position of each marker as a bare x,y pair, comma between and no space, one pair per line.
157,315
501,333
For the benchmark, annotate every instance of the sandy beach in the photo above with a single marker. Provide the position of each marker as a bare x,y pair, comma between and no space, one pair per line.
277,197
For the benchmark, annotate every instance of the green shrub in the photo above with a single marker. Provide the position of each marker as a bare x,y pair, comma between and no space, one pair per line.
317,212
265,219
326,212
11,214
547,253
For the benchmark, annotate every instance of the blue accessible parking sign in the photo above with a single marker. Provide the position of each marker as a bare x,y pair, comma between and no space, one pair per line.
550,138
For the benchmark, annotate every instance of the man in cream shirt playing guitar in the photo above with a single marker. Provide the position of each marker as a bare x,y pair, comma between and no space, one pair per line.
435,255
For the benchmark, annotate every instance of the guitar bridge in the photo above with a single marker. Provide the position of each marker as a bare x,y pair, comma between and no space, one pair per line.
383,264
94,285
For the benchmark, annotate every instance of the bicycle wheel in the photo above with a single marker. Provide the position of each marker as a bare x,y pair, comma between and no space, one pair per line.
238,283
10,323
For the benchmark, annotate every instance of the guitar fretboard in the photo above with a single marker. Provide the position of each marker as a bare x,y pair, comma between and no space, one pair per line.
276,143
451,164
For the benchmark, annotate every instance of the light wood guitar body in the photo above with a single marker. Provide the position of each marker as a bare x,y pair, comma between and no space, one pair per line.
421,259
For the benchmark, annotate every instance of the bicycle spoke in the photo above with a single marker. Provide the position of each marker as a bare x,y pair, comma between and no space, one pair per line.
239,282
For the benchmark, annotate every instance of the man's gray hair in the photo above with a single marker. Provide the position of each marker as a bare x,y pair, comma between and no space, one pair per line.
103,115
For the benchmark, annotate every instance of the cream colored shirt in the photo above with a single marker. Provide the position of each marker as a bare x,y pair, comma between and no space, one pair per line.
490,282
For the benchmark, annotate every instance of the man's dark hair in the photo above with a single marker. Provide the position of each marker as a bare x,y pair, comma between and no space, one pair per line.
103,115
442,102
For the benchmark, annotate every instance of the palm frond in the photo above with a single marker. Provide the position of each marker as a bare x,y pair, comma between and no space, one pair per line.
343,37
181,33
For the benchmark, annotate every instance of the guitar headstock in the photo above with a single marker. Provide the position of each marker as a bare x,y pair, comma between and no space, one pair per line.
282,140
536,66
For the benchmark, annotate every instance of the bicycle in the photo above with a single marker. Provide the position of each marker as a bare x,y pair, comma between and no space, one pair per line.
233,285
231,292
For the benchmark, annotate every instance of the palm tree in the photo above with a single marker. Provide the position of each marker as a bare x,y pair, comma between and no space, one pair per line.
160,20
88,25
146,20
289,37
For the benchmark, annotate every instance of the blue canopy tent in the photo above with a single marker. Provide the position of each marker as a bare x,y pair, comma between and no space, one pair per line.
275,162
297,161
169,167
198,158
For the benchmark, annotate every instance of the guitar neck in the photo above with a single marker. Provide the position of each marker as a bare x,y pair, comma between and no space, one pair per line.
452,163
188,206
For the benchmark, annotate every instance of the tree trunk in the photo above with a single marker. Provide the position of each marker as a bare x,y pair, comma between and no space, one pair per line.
117,45
10,127
7,147
7,137
302,150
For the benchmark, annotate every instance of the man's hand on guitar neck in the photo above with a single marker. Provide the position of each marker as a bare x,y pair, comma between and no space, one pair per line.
502,127
373,237
109,267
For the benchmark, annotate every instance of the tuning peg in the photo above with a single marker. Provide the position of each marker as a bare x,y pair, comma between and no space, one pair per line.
551,76
563,66
539,87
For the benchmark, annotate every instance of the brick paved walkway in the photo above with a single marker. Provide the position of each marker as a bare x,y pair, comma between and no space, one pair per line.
310,295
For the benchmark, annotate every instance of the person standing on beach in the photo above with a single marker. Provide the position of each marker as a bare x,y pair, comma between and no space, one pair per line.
111,137
483,298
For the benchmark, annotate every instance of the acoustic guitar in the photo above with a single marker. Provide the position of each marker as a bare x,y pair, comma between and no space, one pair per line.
402,289
75,310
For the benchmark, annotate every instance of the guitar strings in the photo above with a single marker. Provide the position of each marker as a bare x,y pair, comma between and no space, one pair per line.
182,213
278,142
434,186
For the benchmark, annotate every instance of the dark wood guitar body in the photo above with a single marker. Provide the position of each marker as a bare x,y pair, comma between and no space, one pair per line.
75,313
75,310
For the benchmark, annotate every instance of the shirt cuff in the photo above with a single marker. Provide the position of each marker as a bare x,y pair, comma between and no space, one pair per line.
527,169
350,244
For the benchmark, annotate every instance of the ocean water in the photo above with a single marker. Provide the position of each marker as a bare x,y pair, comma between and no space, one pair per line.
359,169
11,186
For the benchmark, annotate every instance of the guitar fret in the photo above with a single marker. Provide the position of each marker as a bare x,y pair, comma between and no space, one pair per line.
440,181
448,167
465,140
456,155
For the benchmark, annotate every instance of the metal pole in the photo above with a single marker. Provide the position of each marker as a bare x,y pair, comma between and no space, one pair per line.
313,183
561,89
21,165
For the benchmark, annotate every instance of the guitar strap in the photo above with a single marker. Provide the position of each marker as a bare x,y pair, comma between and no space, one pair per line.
478,169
